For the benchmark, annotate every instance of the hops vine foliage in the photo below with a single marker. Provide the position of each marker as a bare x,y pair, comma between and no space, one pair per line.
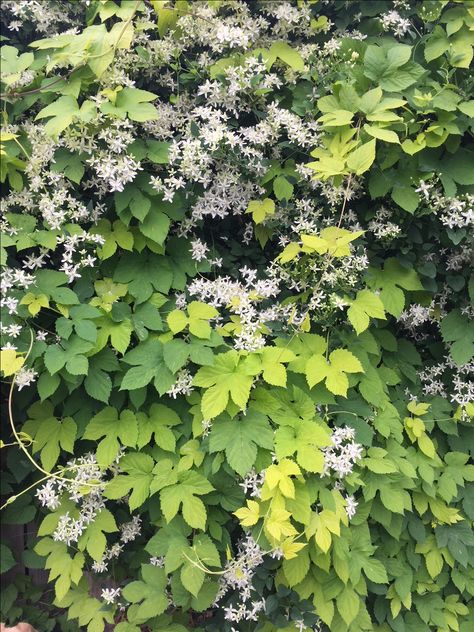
236,334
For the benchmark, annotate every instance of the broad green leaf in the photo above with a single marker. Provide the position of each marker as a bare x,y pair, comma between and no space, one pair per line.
391,281
333,371
240,438
282,188
366,305
108,424
149,592
348,604
158,422
137,478
375,571
185,492
261,209
93,538
382,134
287,54
228,377
361,159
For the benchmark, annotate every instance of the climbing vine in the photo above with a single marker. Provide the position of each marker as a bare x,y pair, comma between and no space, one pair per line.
237,331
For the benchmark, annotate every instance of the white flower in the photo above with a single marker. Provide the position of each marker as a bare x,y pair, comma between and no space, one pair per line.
351,506
24,377
157,561
109,595
198,250
130,530
182,385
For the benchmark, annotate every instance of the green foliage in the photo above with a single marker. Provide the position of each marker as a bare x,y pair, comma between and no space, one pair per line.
237,329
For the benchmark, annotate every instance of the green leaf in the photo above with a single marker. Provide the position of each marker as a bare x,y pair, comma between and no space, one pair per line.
192,578
375,571
61,114
7,561
137,477
272,359
390,282
185,492
93,538
361,159
78,365
348,604
460,166
228,377
158,422
47,385
391,69
155,226
149,365
69,164
406,197
134,103
366,305
54,358
175,354
240,438
149,593
437,44
458,332
289,55
282,188
98,384
333,371
261,209
108,424
305,438
382,134
65,569
158,151
297,568
336,118
49,433
467,108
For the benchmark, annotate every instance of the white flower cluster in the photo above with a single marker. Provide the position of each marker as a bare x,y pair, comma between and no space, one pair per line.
110,553
394,22
252,483
414,317
110,595
341,456
238,574
450,380
382,227
351,506
242,299
85,481
46,17
183,384
131,530
25,377
454,212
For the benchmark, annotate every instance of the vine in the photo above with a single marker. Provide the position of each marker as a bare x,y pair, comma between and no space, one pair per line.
237,331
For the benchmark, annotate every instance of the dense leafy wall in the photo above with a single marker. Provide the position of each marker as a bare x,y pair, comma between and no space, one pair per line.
237,336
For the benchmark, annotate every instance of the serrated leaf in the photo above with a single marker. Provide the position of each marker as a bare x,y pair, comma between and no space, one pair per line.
227,377
361,159
185,492
348,604
366,305
375,571
240,438
333,371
